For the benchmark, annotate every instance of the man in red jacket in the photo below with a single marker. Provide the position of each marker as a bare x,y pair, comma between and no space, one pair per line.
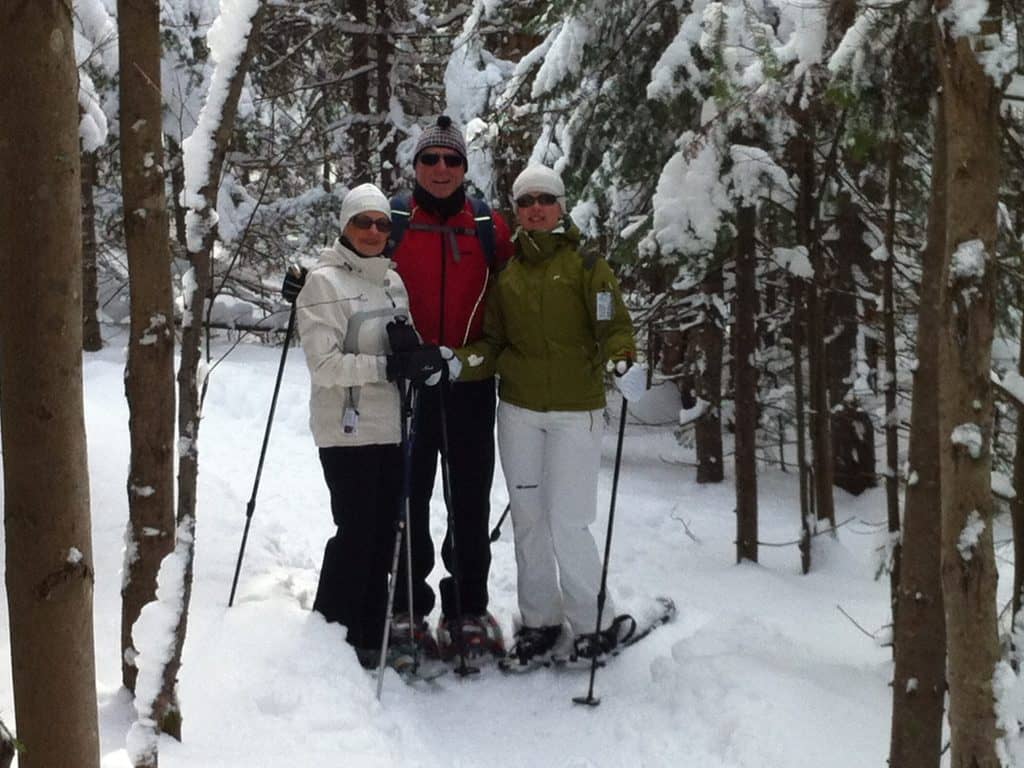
445,263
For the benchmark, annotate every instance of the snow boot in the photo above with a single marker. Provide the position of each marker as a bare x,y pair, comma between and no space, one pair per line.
599,644
534,644
480,633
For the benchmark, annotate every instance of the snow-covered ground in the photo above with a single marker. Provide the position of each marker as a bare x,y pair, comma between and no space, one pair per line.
760,669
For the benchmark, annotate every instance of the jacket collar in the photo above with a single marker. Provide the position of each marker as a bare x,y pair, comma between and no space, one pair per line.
535,247
370,268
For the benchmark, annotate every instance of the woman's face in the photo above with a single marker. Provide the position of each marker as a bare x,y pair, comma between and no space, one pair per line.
368,232
538,211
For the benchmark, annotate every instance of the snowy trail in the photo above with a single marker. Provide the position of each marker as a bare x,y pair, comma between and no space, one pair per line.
759,669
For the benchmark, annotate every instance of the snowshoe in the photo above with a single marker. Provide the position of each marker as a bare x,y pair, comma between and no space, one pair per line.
601,644
481,636
414,634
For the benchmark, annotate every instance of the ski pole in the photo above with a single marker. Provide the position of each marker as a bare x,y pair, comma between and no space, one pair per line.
251,506
407,401
590,699
463,669
496,531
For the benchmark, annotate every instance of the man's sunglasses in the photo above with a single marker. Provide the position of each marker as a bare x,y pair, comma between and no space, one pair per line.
365,222
433,158
544,198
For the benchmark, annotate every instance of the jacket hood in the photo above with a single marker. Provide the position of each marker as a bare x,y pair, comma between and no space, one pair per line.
370,268
538,246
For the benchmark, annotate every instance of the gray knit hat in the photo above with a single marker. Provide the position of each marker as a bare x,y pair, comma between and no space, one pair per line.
442,134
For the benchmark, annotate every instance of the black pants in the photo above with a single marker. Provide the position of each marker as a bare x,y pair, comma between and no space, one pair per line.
470,411
365,484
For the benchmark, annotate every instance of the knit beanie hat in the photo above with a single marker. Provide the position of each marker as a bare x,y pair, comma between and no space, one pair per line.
442,134
539,178
365,197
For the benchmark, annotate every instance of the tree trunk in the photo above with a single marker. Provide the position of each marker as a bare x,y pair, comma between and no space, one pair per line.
1017,504
163,714
745,351
7,746
360,114
92,339
919,648
149,382
705,366
797,335
48,539
892,469
971,101
387,139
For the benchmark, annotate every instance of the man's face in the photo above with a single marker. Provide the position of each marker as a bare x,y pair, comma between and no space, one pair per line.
440,171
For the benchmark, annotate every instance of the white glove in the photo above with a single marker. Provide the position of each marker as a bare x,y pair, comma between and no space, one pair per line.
633,383
454,364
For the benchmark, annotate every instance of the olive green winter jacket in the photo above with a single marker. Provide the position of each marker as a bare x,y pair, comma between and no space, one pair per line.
553,319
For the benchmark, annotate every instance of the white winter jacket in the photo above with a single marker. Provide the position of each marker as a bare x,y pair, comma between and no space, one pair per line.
342,312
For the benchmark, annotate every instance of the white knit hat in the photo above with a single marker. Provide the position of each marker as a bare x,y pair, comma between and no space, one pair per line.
539,178
365,197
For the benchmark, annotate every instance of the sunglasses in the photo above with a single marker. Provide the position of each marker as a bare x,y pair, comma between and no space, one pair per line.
433,158
544,198
365,222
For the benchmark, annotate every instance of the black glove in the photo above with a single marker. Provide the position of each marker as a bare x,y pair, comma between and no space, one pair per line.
402,337
294,279
423,362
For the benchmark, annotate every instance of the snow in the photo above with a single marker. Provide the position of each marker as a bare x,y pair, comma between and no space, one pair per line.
269,683
969,436
970,535
968,262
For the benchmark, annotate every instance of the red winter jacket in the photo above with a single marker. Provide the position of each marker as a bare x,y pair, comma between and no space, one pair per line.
419,262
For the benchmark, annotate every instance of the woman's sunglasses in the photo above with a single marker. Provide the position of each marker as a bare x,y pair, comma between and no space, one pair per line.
544,198
433,158
365,222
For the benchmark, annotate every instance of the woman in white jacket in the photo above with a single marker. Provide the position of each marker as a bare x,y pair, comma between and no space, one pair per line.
343,311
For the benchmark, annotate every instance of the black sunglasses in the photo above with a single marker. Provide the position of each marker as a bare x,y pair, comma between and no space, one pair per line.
544,198
365,222
432,158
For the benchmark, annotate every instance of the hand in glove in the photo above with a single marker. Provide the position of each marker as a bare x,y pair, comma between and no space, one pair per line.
630,380
423,364
402,336
294,279
452,362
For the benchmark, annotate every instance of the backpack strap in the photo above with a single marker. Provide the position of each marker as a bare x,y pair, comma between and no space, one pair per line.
401,213
485,230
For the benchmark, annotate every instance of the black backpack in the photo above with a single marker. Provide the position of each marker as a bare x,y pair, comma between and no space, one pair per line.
401,215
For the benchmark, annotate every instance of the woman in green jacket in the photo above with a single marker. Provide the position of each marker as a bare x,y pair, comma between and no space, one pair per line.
554,319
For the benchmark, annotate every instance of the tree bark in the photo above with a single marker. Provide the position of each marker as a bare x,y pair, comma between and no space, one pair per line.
704,353
892,470
92,340
360,114
919,647
971,101
745,351
387,138
149,382
796,289
49,573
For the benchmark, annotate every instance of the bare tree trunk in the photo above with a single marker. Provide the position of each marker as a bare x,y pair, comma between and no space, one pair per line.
971,100
164,713
149,382
387,139
174,162
797,335
704,352
892,469
919,648
745,351
360,132
48,538
1017,504
92,340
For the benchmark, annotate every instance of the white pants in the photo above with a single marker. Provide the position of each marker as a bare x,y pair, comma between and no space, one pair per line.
550,462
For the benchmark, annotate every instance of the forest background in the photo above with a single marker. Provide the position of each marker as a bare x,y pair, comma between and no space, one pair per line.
815,210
